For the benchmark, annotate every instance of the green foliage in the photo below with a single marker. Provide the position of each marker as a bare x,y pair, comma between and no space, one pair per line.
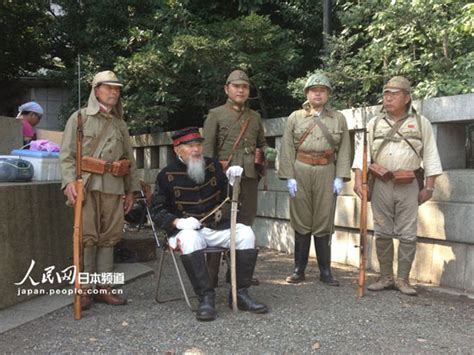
181,70
429,41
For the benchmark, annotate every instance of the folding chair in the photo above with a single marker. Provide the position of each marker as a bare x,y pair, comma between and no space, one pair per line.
165,248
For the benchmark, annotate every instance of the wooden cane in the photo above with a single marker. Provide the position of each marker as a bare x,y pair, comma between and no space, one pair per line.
233,231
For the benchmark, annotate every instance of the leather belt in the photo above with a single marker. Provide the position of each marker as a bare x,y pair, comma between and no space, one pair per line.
316,158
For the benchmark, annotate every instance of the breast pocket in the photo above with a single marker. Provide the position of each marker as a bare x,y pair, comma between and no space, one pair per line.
336,136
89,138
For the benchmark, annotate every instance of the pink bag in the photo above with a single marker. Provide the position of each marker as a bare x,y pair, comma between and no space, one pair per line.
44,145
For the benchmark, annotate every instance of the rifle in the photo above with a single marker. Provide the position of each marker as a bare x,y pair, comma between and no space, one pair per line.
77,236
363,213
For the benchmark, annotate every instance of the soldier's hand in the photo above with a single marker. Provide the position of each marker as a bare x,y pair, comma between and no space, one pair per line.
128,202
188,223
233,172
337,185
424,196
292,187
71,193
358,190
270,154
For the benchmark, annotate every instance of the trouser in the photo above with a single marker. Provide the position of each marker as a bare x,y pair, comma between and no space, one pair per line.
190,240
103,220
248,198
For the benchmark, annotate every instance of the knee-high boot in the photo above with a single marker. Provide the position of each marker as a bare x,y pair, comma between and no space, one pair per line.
213,261
245,265
195,266
323,253
302,244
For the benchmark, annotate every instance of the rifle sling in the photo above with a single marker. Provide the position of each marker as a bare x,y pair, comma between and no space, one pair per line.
237,141
323,128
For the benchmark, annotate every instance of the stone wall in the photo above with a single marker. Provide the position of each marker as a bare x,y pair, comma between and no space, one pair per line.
445,251
35,225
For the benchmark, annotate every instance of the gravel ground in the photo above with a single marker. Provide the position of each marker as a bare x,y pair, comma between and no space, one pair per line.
305,318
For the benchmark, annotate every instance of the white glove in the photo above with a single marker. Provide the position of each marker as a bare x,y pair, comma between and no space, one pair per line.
292,187
188,223
337,185
233,172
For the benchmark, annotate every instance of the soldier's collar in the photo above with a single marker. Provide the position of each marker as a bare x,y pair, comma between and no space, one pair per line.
235,107
326,109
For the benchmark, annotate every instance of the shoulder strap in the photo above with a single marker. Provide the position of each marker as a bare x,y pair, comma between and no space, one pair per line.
405,139
322,127
228,131
306,133
326,133
237,141
96,148
394,129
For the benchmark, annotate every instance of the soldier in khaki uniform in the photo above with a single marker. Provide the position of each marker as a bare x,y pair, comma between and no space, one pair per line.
105,137
221,130
395,205
315,160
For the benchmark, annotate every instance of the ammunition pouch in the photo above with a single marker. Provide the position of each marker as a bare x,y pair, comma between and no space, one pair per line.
380,172
403,177
98,166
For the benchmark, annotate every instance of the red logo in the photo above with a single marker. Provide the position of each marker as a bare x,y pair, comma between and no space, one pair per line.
411,125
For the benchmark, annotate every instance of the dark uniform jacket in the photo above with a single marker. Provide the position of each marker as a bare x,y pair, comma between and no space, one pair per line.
178,196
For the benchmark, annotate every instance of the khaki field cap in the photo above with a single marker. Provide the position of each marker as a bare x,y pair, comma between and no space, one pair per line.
238,77
396,84
317,79
106,77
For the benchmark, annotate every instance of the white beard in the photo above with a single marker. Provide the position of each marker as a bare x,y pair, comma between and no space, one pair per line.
196,169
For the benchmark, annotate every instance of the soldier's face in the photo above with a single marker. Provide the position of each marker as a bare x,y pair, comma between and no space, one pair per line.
189,151
395,103
238,93
107,95
318,96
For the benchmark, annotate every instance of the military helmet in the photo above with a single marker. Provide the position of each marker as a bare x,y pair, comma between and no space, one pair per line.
317,79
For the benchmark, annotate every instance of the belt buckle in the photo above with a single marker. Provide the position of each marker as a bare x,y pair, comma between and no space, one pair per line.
108,167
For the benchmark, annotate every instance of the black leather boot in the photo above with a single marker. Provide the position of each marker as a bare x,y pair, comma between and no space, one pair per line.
195,266
302,244
245,265
323,253
213,261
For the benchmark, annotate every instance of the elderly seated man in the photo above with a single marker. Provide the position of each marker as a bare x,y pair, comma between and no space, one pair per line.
188,190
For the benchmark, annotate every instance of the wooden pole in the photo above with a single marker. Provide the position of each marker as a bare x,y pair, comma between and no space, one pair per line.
233,227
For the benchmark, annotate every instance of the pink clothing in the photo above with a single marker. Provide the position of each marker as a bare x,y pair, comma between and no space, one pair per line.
27,129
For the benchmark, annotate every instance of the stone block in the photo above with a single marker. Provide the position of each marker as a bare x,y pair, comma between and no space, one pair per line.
423,263
450,139
468,283
449,263
266,203
282,205
274,234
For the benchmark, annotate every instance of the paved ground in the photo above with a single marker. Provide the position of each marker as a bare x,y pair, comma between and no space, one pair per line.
304,318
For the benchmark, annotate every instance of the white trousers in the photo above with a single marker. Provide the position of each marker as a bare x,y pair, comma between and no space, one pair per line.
190,240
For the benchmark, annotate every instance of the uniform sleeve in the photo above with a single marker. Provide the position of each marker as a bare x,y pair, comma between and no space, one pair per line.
131,181
67,155
160,209
287,154
210,131
431,160
343,163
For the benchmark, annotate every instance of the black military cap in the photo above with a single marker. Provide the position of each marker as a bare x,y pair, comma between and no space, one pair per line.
186,135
